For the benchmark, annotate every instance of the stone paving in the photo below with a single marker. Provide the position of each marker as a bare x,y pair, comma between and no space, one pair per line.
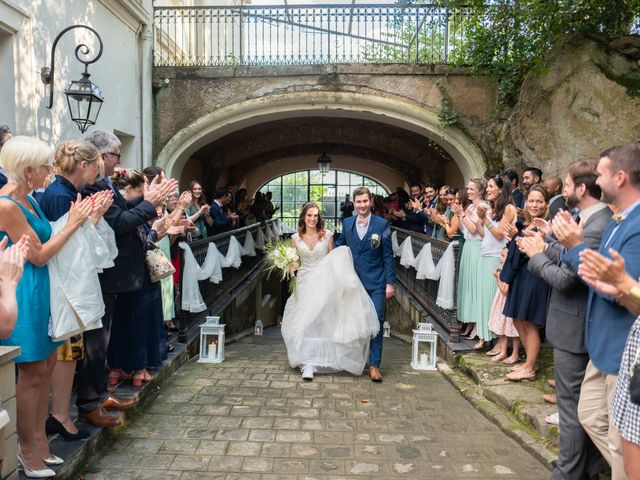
252,417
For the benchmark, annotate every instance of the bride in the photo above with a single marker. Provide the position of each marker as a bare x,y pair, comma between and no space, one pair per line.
329,319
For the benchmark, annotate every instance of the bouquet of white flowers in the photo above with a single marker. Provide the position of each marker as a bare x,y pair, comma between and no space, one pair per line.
282,256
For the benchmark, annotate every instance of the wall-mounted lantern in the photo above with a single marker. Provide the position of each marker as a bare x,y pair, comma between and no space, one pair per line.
83,96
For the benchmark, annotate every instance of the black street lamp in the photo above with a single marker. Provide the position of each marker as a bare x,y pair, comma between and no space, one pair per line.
83,96
324,163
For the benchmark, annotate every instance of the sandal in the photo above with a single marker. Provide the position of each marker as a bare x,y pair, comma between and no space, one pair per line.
493,353
467,330
141,376
479,345
116,375
511,360
520,375
499,357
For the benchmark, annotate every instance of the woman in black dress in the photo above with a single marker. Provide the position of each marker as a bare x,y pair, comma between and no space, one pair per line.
526,301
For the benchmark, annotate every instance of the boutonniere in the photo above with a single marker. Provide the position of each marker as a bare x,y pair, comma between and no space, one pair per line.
375,240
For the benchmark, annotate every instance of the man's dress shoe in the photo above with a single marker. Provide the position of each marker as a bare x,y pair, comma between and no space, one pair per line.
374,374
114,403
99,418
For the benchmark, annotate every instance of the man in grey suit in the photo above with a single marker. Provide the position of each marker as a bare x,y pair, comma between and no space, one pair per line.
578,458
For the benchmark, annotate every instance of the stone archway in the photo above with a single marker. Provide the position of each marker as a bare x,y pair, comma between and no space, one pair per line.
208,128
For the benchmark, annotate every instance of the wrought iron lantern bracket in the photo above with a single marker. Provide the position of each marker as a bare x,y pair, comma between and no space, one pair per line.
47,74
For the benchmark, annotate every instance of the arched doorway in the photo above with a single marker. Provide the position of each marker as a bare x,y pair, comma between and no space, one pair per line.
465,157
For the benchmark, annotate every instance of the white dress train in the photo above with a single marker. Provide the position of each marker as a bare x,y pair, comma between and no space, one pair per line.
329,319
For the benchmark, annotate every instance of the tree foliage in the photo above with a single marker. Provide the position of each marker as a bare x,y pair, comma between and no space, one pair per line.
509,38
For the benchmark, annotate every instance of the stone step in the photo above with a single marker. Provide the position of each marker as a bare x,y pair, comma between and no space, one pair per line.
523,399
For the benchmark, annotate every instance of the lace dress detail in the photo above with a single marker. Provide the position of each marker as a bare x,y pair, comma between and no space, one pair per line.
329,320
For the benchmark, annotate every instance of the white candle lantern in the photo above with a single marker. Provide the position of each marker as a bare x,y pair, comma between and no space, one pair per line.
425,342
211,341
386,329
259,328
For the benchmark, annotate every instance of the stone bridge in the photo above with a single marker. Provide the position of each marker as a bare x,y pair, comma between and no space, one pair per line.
391,122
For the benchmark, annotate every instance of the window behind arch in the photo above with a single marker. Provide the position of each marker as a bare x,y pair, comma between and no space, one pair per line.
293,190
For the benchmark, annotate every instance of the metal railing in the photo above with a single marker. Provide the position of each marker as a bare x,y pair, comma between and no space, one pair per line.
218,296
426,291
307,34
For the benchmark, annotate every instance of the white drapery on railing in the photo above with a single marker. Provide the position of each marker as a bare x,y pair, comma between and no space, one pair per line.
213,264
425,268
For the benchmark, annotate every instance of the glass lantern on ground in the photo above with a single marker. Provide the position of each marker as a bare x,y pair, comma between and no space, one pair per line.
259,328
211,341
386,329
425,342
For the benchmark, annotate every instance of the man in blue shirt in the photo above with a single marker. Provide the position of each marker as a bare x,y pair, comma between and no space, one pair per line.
607,322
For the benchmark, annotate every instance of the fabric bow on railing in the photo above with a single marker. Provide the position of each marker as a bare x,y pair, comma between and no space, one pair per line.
211,269
260,240
425,268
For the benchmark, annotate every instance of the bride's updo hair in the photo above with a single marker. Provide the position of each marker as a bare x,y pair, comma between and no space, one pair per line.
302,227
122,178
70,154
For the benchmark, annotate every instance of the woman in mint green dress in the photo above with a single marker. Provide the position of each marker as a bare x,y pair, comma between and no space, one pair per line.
27,162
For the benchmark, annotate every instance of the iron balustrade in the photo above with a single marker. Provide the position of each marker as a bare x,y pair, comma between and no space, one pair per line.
307,34
426,291
218,295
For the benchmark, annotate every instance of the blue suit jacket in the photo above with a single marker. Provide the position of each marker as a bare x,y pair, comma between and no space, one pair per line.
373,263
221,223
607,323
3,180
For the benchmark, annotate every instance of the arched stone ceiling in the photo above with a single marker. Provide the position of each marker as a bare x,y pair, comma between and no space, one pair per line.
409,153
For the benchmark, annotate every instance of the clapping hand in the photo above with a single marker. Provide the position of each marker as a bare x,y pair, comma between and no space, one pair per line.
185,199
156,192
509,230
102,201
12,260
481,211
415,204
162,225
531,245
566,230
601,273
79,212
457,209
543,226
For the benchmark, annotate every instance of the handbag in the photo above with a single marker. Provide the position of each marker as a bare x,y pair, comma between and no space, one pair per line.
634,380
158,264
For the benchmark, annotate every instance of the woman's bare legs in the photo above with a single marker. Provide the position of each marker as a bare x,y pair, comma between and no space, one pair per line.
32,405
61,386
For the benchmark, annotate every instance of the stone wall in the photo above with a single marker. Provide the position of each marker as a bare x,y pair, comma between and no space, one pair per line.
587,99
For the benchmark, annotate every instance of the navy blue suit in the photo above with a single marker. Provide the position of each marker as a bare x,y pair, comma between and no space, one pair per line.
3,180
221,223
373,262
607,323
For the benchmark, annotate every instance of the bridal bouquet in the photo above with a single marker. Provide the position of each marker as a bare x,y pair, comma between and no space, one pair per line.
282,256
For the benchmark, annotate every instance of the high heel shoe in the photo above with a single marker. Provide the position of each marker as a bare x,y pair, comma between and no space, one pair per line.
53,426
42,473
53,460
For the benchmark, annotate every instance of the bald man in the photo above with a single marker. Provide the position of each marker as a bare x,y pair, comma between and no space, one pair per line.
553,185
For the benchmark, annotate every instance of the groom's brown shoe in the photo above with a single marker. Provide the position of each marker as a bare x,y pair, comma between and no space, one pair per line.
375,375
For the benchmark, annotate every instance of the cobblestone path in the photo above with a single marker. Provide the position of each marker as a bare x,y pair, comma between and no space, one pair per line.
253,418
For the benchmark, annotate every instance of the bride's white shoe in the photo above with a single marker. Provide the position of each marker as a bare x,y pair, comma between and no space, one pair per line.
307,372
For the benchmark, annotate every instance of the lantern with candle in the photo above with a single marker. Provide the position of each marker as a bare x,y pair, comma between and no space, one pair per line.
211,341
425,342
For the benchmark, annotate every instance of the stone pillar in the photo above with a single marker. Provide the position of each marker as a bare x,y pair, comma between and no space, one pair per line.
8,436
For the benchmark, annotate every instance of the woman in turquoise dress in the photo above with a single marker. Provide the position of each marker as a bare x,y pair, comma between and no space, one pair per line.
27,162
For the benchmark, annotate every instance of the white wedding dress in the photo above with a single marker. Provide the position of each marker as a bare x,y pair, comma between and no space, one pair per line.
329,319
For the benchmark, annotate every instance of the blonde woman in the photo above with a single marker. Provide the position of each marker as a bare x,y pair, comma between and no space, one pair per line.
75,164
27,162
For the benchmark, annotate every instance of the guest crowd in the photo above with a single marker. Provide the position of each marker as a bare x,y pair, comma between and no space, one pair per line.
51,203
551,258
560,260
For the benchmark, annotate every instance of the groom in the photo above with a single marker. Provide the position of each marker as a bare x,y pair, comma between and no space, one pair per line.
369,239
